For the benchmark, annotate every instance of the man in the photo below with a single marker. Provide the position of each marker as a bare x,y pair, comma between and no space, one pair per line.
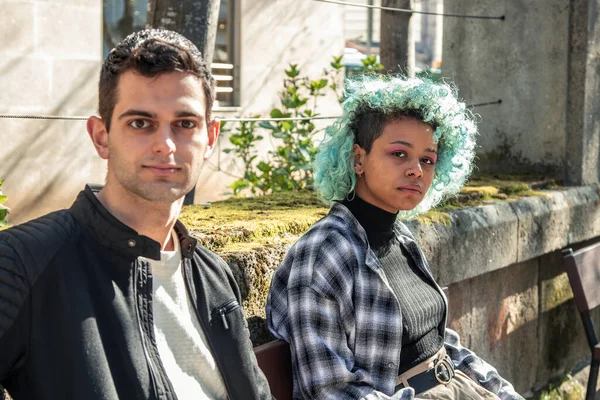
112,298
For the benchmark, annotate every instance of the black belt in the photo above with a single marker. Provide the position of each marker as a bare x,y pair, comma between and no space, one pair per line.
441,373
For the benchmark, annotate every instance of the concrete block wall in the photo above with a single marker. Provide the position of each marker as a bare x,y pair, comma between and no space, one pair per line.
50,54
522,60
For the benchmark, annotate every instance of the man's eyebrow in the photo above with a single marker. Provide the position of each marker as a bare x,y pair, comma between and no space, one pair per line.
184,114
137,113
410,146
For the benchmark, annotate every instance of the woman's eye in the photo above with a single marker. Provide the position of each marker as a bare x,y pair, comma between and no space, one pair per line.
139,124
428,161
186,124
399,154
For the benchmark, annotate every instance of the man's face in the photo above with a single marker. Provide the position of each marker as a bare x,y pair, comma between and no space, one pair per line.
159,137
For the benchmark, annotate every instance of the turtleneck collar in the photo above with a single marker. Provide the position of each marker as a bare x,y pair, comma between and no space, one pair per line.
378,223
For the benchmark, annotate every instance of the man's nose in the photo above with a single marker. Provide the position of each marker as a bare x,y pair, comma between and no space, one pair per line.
163,140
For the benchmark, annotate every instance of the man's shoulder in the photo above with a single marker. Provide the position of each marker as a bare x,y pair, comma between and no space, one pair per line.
210,258
32,244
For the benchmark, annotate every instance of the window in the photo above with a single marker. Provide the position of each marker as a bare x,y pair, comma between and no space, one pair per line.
122,17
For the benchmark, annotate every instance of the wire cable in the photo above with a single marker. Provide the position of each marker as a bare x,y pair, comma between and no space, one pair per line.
407,10
259,119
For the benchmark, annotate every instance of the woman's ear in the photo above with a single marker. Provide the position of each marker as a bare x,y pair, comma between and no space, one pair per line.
359,156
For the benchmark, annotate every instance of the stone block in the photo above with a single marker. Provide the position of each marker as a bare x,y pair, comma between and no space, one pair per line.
74,86
479,240
544,224
253,270
41,172
16,28
520,134
585,213
496,315
25,83
70,31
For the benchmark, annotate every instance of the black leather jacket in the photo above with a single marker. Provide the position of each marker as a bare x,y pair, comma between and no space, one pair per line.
76,310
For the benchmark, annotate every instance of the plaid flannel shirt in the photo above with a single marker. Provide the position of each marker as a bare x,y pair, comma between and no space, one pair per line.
331,302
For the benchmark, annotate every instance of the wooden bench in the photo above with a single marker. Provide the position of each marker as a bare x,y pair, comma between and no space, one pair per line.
583,269
275,360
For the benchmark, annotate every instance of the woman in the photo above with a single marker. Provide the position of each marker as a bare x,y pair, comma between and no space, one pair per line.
354,296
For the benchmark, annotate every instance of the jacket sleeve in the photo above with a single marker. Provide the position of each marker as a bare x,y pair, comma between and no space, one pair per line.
14,310
258,378
323,362
477,369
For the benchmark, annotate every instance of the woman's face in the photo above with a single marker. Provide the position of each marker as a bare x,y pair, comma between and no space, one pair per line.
397,172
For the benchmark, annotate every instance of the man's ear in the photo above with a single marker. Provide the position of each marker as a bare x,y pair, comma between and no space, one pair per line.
97,131
213,128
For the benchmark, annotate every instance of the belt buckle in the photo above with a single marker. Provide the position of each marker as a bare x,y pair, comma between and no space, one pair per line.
438,370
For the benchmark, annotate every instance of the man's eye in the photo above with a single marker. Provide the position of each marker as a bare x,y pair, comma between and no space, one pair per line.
139,124
186,124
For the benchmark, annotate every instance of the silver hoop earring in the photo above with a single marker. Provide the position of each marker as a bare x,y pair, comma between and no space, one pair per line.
350,196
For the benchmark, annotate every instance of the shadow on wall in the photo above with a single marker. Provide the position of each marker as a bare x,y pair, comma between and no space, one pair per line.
47,161
522,320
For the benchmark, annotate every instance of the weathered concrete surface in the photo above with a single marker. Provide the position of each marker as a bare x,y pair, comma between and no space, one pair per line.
50,57
583,101
523,61
508,233
496,315
450,250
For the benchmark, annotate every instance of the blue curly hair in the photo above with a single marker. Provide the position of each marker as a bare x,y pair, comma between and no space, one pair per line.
394,97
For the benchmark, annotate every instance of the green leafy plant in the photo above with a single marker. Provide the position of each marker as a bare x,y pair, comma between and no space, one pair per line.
289,165
371,65
244,141
3,208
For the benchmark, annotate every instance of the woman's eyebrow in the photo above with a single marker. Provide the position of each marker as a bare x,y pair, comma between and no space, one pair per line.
410,146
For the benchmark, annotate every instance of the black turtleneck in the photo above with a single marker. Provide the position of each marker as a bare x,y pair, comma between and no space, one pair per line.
421,304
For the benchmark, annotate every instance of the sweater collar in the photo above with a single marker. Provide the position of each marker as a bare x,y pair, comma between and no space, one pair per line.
378,223
108,230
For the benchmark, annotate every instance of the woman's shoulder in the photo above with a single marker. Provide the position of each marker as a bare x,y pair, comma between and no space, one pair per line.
338,226
330,247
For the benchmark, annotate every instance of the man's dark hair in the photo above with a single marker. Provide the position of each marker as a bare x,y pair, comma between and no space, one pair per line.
368,124
151,52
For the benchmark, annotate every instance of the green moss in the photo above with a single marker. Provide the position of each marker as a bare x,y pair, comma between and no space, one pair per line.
555,292
565,388
241,224
434,217
256,220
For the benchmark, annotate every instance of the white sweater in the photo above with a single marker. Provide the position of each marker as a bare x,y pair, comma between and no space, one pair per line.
181,342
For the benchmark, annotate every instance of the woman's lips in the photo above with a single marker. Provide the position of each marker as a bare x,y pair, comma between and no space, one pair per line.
411,189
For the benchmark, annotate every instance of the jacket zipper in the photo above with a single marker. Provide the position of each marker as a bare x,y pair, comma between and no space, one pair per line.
203,325
142,334
225,309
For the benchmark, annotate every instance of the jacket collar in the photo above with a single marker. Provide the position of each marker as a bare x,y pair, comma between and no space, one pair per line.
109,231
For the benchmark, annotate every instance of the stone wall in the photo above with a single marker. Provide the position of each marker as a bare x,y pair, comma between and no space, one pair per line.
542,62
50,54
509,296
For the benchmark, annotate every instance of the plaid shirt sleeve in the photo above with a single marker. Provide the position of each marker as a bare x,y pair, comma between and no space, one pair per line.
310,306
477,369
